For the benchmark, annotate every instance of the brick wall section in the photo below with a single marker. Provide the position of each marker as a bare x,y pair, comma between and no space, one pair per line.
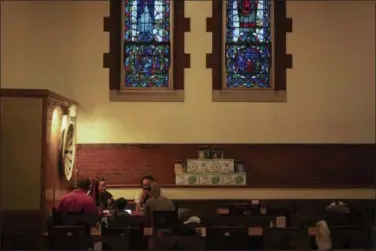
126,164
266,165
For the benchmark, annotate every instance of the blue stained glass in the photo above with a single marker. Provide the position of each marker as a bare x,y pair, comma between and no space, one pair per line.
248,44
147,43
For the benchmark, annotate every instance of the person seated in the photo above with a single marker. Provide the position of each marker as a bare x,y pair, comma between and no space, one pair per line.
143,195
156,201
77,201
99,193
121,205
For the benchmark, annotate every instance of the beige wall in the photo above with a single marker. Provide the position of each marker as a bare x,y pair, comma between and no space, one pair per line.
255,193
58,45
21,134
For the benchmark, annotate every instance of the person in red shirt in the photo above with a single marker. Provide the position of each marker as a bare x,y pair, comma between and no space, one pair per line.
78,201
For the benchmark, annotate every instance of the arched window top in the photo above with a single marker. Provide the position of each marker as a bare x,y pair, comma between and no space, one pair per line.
147,21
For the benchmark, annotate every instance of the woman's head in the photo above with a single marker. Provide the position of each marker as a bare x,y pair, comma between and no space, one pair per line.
145,181
155,190
101,185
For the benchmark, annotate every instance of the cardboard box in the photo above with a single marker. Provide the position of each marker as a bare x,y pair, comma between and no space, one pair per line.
187,179
223,166
236,179
211,179
210,166
198,165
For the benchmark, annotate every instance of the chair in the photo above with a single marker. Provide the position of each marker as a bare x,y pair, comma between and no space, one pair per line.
164,220
135,225
71,218
227,238
286,238
303,220
178,243
343,220
127,221
245,221
350,237
69,237
116,238
56,217
226,220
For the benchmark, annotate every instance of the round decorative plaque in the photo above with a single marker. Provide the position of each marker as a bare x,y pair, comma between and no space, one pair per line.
69,153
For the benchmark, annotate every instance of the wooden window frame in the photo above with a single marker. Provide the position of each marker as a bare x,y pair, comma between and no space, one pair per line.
113,59
282,61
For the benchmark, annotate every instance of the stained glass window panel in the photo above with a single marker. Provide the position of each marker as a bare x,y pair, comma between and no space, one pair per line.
247,44
147,43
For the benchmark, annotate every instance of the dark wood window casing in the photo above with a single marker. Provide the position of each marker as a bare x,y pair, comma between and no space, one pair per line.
112,59
282,61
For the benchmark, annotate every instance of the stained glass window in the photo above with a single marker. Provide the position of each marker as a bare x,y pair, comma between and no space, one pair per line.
247,44
147,43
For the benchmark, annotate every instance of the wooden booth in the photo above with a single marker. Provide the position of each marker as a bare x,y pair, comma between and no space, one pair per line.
37,155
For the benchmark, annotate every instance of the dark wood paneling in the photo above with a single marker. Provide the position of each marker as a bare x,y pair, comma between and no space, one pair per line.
269,165
25,221
21,230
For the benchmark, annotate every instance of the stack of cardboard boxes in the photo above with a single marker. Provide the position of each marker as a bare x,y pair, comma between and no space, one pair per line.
209,172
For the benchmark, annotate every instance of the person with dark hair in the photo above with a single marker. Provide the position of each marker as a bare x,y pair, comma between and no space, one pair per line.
121,205
77,201
143,195
99,193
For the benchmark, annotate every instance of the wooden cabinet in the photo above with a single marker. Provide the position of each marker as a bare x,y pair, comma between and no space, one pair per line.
34,125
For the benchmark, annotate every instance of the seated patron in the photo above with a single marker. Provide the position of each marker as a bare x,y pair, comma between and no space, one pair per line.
121,205
143,195
77,201
99,193
156,201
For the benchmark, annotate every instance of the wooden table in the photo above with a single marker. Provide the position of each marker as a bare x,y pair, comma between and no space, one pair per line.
252,231
148,231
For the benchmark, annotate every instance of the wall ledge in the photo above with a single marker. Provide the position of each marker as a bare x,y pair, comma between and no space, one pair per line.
246,193
312,186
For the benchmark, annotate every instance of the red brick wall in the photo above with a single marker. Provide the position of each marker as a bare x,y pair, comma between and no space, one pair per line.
267,165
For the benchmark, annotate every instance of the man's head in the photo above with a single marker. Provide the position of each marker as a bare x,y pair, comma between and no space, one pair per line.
121,203
84,184
101,185
146,181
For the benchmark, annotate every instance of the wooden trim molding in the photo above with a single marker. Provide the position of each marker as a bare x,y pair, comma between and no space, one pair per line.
37,93
282,61
112,60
